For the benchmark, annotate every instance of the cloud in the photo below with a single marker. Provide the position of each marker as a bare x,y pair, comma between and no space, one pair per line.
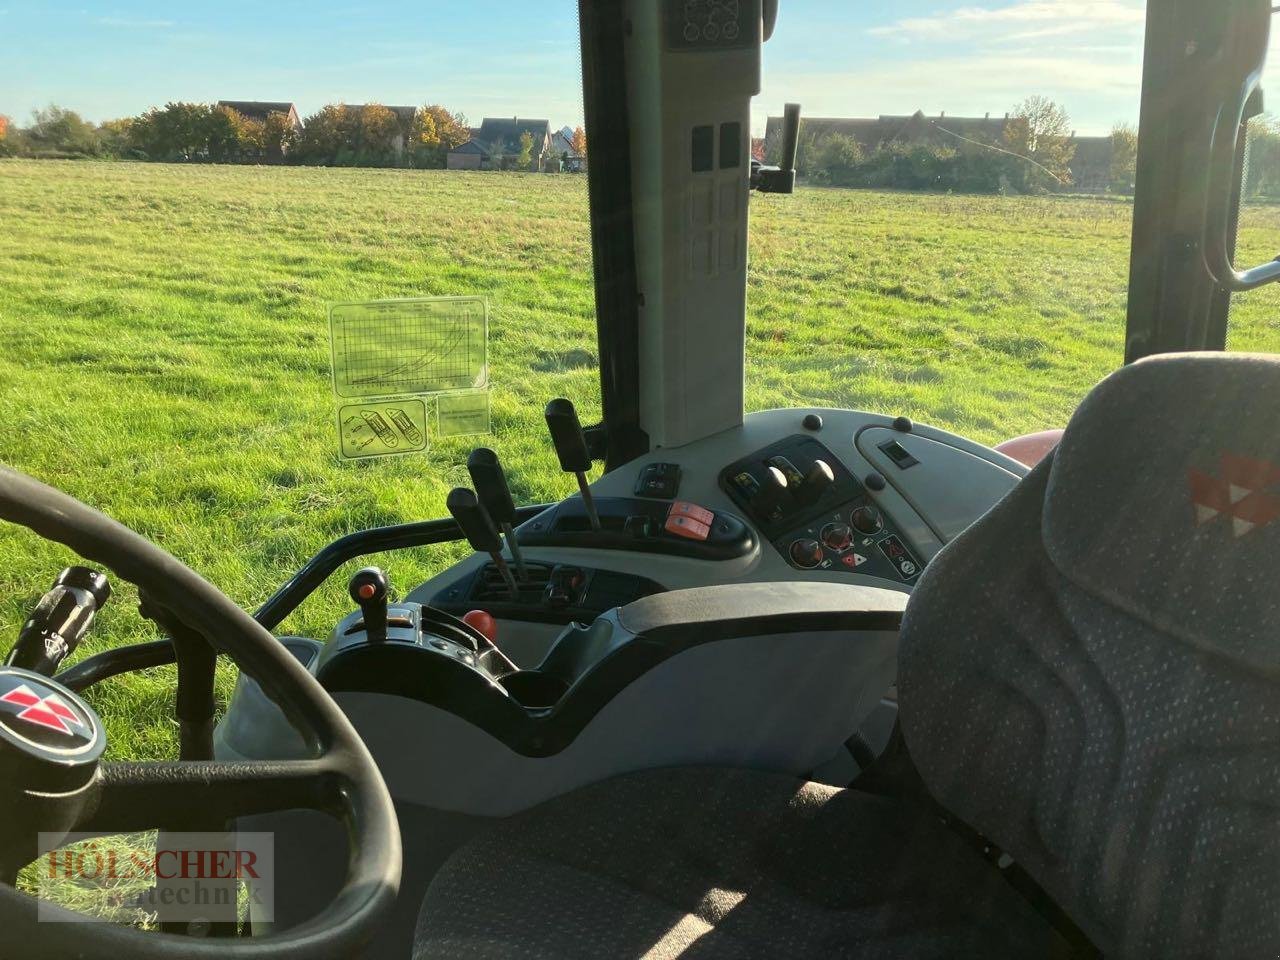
1031,18
135,24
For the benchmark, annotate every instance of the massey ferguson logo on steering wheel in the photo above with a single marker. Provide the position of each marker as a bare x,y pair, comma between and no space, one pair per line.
49,711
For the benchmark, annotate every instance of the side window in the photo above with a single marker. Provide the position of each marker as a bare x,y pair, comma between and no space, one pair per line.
958,249
1255,316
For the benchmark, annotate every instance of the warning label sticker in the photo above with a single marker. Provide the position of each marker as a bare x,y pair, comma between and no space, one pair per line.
382,428
399,365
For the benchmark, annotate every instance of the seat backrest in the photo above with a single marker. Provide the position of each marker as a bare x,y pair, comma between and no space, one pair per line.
1090,675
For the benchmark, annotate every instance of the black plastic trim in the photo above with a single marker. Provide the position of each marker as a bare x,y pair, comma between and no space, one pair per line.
604,95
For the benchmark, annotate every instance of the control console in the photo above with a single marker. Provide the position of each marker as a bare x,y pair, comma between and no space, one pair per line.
816,513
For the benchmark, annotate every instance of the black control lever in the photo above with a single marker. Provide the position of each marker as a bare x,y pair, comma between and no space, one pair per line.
477,526
60,620
571,448
495,496
817,481
782,178
369,588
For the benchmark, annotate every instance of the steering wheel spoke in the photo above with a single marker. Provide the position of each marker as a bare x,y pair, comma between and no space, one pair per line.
181,795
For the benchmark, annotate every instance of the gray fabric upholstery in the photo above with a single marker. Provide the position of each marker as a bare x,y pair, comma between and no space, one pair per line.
713,863
1090,676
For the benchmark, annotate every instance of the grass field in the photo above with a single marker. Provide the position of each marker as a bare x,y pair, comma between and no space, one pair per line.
165,352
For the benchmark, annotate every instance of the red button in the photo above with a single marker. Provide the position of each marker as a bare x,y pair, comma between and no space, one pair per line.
688,528
683,508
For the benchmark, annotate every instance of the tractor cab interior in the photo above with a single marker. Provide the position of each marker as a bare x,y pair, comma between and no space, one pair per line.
801,682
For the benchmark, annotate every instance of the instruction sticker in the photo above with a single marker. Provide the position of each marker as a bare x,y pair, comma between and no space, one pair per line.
462,414
382,428
421,346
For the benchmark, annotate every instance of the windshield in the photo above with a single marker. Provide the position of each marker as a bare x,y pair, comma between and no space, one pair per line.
184,201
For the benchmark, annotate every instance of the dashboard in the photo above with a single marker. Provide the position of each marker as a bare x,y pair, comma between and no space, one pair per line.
796,495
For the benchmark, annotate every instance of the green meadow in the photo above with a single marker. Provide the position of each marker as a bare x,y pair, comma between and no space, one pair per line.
164,347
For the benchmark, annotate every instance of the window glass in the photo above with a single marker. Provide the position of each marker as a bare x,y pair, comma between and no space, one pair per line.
922,268
188,190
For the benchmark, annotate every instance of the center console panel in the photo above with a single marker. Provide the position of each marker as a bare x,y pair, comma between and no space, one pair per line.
552,593
678,529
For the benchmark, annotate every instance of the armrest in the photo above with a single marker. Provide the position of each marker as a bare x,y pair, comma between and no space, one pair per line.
756,609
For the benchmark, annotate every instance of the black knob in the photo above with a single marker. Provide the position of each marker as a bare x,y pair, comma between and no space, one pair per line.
567,437
491,485
806,553
771,496
369,589
477,526
837,536
817,481
866,520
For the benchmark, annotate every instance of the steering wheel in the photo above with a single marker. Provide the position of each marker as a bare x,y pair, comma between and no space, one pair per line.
61,786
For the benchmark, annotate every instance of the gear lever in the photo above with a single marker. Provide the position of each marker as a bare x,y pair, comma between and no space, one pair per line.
571,448
495,496
477,526
368,588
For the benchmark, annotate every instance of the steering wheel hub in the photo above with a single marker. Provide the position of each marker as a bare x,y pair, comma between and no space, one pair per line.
50,739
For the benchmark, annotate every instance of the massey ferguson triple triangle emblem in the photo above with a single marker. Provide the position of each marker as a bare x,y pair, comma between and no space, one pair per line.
1239,492
50,711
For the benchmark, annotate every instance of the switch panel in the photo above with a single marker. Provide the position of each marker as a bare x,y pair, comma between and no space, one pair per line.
837,526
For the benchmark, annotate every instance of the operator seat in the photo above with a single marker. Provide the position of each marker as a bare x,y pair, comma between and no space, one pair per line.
1089,677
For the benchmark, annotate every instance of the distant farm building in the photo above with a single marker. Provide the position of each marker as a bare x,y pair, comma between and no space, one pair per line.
261,109
496,145
1090,168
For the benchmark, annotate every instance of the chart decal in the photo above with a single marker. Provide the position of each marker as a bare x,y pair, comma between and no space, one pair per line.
382,428
420,346
462,414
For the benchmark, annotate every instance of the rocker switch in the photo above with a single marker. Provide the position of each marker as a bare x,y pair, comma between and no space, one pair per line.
683,508
687,527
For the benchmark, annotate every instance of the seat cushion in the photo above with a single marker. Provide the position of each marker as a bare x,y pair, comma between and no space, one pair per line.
699,863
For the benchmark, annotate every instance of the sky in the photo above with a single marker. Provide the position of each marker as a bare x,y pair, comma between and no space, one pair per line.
488,58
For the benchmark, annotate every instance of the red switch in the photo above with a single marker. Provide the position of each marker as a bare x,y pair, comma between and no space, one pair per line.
482,622
683,508
688,528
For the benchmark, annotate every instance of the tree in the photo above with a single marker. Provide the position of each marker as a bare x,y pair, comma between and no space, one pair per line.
116,137
1263,179
525,158
451,128
1041,130
54,129
835,159
498,151
6,147
579,142
376,132
323,134
278,138
1124,157
178,131
229,135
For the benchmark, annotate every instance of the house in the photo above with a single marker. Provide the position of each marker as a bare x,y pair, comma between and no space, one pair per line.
873,133
261,109
405,117
496,144
1090,166
562,149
